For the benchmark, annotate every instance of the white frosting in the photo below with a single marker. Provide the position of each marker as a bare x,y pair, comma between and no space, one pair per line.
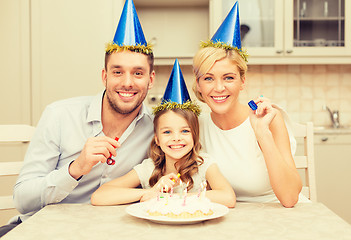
176,205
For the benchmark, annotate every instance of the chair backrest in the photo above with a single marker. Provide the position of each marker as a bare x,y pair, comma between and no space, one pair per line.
305,161
12,134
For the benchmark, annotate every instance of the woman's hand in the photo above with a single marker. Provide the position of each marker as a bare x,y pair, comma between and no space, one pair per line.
263,116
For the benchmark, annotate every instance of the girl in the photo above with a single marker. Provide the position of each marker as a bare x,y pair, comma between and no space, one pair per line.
175,151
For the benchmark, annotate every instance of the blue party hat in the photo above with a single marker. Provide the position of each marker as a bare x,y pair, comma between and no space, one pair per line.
176,94
228,34
129,34
176,90
229,31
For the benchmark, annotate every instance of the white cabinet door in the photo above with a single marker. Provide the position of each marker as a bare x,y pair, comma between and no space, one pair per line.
68,47
174,28
14,62
317,28
279,32
333,167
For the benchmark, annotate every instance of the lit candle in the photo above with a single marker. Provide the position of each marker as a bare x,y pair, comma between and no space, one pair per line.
166,189
161,193
205,186
200,189
185,194
181,187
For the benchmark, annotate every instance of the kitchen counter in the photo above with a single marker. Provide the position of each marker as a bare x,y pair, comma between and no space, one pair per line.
318,130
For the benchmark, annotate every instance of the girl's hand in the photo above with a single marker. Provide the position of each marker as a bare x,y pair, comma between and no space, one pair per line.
263,116
164,184
150,194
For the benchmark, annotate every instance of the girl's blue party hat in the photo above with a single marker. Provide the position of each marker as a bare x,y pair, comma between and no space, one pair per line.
176,94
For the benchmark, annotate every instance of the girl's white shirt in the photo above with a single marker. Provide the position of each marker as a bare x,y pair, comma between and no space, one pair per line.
145,169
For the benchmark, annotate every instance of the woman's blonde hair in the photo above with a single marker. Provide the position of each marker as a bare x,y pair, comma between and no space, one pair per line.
206,57
190,163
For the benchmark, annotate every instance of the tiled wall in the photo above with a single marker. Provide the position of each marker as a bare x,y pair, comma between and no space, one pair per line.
302,90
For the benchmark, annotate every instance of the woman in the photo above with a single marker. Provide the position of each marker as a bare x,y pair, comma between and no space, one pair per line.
252,147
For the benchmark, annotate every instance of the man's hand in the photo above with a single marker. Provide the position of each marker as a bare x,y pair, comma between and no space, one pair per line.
96,149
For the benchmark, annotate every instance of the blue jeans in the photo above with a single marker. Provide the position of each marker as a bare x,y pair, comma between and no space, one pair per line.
6,228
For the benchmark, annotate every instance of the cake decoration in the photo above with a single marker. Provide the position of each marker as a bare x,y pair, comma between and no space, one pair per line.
180,205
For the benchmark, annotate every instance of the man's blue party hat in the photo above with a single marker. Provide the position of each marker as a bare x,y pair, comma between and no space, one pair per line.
176,94
228,34
129,34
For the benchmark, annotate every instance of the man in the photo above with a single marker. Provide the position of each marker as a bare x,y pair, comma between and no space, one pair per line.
66,159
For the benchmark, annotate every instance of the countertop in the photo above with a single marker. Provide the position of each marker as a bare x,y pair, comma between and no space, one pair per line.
330,130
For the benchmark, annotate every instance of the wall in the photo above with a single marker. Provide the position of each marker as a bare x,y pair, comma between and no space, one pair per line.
302,90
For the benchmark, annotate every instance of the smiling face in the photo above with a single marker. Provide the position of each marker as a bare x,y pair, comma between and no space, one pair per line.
174,136
127,79
220,86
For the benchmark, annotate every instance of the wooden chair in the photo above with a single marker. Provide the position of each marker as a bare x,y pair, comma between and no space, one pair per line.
12,134
305,161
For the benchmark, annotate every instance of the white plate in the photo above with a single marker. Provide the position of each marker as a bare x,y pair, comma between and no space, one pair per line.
138,210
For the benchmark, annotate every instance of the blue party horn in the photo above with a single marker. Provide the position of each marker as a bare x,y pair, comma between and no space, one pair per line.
252,105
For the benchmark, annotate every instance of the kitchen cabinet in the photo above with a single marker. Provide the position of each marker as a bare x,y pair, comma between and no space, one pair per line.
55,49
15,96
333,178
14,62
293,31
67,48
174,28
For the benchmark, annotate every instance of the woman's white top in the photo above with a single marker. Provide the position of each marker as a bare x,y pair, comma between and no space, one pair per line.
239,158
145,169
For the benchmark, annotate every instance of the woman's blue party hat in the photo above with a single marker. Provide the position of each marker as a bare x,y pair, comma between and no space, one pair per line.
176,94
228,34
229,31
129,34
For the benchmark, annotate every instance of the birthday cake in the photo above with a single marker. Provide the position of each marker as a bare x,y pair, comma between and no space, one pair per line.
180,207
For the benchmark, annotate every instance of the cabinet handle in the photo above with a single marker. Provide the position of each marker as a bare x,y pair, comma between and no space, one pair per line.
279,51
324,139
289,51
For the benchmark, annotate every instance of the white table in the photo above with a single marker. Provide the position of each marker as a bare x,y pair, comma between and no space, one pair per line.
246,221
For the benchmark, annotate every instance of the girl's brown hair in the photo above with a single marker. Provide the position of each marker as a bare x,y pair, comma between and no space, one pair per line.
206,57
190,163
